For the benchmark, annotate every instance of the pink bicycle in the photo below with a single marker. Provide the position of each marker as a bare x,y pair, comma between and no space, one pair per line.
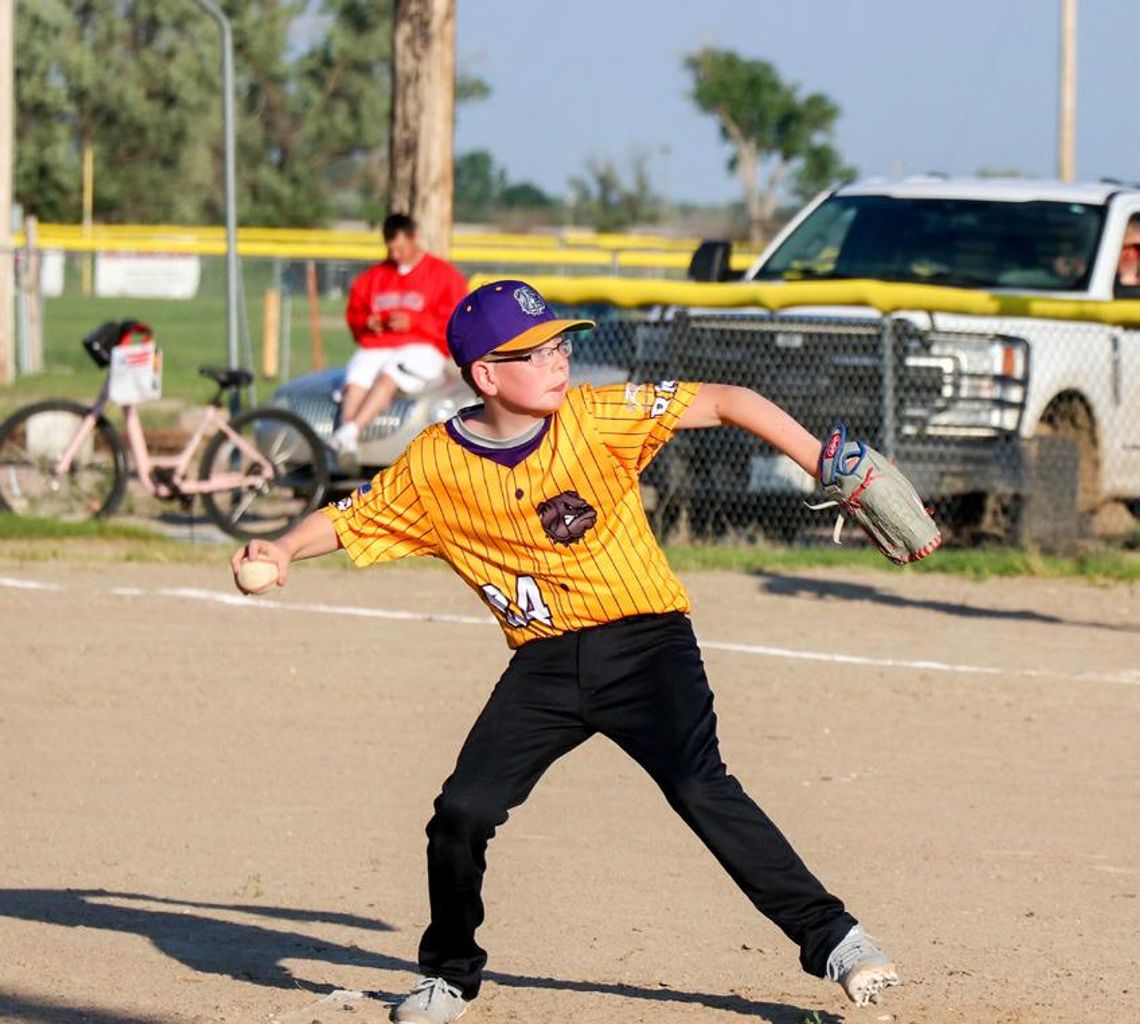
261,472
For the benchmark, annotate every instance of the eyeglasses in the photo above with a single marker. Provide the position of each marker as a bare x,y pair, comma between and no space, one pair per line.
539,356
1131,246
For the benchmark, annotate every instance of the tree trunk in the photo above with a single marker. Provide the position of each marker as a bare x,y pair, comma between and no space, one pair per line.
768,202
421,160
747,161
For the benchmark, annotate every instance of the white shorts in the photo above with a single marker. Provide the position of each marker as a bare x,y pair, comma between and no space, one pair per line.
412,367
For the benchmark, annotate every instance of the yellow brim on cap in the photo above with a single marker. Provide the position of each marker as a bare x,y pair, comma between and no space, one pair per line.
534,336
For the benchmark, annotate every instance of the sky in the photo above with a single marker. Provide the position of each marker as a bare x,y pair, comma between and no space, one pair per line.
923,86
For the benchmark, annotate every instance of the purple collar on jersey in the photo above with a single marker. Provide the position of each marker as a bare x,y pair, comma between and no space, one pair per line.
507,457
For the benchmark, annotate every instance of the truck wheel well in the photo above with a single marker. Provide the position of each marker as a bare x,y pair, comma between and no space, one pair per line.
1070,415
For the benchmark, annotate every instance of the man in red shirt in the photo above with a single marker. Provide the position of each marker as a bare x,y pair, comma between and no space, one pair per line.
397,312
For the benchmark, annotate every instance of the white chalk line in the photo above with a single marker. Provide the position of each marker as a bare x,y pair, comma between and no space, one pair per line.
1127,677
14,584
240,600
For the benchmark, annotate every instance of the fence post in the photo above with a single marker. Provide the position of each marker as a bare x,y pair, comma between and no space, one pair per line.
318,349
33,348
890,435
270,332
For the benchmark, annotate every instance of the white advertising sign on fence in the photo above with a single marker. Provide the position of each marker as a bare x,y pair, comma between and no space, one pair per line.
51,272
147,275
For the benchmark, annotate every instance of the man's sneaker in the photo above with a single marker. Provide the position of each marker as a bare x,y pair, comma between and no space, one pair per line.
432,1001
861,968
345,445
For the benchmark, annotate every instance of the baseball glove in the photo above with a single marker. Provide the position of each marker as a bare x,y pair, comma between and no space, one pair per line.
870,489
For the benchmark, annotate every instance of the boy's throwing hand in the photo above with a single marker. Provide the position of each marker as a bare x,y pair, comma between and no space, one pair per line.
260,551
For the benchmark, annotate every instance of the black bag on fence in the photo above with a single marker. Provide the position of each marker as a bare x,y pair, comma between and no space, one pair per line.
104,338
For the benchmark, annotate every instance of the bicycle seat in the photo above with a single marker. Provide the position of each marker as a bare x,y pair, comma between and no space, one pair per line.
226,378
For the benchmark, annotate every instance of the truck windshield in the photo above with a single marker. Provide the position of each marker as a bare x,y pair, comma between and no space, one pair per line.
966,242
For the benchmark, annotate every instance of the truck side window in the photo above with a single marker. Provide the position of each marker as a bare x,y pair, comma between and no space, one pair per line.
1128,266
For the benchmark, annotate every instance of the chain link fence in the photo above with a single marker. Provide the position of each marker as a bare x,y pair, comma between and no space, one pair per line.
1015,429
1015,432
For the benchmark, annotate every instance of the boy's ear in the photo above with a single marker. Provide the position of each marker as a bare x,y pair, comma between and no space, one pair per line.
483,377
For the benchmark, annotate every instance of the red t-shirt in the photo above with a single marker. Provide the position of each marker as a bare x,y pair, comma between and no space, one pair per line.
427,293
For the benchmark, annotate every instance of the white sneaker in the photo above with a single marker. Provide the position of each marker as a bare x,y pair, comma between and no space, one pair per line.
432,1001
861,967
345,445
345,439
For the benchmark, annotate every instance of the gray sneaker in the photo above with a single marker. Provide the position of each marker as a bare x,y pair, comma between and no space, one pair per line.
432,1001
861,967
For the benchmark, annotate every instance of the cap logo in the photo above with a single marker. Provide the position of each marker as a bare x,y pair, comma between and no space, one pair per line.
530,302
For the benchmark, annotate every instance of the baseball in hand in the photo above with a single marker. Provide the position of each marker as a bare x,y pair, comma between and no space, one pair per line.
257,576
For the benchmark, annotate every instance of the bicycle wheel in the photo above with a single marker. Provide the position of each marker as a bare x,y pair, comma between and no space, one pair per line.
32,440
265,504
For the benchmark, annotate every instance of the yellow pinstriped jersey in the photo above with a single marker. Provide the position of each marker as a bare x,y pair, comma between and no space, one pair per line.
556,542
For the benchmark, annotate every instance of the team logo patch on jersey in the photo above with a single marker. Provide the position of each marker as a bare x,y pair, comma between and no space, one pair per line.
344,504
530,302
566,517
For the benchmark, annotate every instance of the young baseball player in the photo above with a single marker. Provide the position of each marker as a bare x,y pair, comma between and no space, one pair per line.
532,497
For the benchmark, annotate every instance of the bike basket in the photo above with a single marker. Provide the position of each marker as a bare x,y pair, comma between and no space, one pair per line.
101,340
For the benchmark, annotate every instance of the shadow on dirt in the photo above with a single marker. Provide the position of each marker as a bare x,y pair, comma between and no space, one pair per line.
800,586
255,953
40,1010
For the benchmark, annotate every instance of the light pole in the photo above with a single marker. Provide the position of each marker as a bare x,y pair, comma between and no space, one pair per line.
215,12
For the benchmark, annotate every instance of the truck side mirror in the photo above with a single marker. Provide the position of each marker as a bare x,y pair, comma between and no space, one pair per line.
712,261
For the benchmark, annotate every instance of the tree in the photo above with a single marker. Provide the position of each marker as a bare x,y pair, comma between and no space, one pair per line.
346,80
523,195
115,75
478,184
767,122
420,165
483,190
119,75
820,168
606,201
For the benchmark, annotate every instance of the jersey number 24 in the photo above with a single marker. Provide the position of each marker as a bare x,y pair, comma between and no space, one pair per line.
528,598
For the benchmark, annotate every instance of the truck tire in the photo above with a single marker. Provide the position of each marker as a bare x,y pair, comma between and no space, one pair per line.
1069,416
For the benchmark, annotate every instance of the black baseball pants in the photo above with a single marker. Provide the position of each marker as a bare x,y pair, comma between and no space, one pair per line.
640,682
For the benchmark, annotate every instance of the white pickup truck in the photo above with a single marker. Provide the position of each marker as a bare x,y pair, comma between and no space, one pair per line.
969,397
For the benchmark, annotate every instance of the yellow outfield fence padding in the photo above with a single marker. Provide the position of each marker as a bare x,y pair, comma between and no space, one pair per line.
887,297
568,248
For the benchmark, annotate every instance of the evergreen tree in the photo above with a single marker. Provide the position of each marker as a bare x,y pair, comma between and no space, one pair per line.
117,76
345,82
140,81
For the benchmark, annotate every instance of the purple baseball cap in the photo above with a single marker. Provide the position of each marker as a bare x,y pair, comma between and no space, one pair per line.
503,316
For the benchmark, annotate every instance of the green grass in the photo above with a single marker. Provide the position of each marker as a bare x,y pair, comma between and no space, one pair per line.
1106,565
31,528
191,333
47,540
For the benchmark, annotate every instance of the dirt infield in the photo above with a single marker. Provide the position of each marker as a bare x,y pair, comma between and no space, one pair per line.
213,809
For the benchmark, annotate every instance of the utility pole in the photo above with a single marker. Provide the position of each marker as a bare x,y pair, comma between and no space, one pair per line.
230,184
7,162
421,160
1067,110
